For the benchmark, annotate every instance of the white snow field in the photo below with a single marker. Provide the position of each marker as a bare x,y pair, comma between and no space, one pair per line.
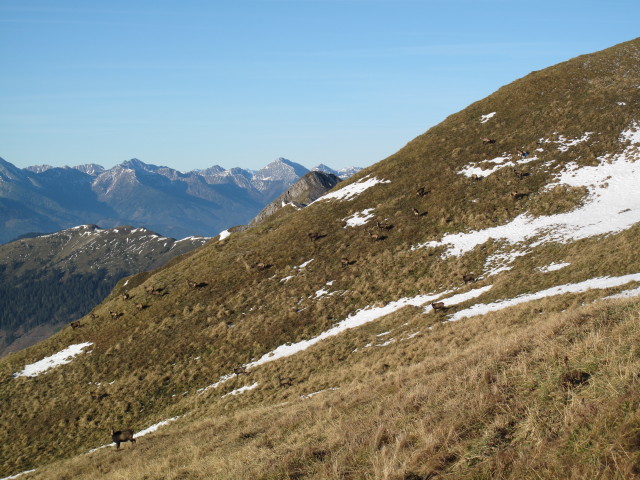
612,205
240,390
351,191
359,218
61,358
593,283
485,118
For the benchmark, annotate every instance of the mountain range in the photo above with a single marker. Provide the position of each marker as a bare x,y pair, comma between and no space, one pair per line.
45,199
467,308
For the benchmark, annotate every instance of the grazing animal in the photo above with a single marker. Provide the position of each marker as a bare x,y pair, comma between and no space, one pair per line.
193,284
76,324
98,396
114,314
476,178
522,154
468,278
285,382
520,174
438,306
416,212
240,370
140,306
384,226
149,289
122,436
374,236
125,296
487,141
261,266
92,315
421,192
313,236
518,196
345,262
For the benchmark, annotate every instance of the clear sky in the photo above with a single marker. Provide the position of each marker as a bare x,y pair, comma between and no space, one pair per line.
195,83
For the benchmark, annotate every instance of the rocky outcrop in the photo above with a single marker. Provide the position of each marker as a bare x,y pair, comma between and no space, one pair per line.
309,188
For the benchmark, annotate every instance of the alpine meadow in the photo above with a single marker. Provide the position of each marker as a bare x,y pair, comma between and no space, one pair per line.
466,308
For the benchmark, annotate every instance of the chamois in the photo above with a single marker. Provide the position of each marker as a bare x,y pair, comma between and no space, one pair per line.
122,436
487,141
285,382
469,277
125,296
384,226
345,262
518,196
115,314
193,284
438,306
76,324
313,236
374,236
520,174
421,192
140,306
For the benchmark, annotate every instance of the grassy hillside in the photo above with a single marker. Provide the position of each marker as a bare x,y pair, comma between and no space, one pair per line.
542,389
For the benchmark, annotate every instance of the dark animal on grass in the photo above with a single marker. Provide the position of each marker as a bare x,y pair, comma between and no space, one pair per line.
374,236
574,378
384,226
98,396
518,196
240,370
125,296
285,382
468,277
313,236
421,192
487,140
76,324
261,266
476,178
344,261
193,284
438,306
416,212
122,436
520,174
115,314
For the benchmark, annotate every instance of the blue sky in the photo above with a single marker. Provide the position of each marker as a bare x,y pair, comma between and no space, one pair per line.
238,83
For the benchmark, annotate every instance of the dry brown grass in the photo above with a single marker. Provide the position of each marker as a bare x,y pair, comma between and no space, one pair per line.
479,398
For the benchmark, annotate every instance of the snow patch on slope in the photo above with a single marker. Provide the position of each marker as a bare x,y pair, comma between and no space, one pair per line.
61,358
594,283
612,205
359,218
485,118
349,192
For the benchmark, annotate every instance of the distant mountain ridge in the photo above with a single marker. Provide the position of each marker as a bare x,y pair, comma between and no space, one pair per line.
50,280
43,198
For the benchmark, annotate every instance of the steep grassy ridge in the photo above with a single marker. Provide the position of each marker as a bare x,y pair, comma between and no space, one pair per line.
489,396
